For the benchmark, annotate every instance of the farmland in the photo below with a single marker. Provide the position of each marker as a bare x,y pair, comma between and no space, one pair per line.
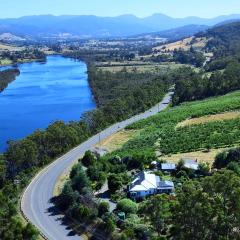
159,133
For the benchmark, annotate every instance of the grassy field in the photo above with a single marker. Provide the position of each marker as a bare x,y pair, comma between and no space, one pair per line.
211,118
4,62
219,129
185,44
142,68
10,48
201,156
117,140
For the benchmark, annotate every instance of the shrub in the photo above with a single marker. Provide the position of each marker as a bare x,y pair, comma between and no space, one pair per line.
114,183
127,206
103,208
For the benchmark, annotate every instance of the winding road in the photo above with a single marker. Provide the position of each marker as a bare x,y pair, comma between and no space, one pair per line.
35,202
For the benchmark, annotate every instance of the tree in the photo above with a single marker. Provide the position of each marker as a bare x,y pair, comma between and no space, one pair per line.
80,181
127,205
3,171
158,210
103,208
208,209
30,232
21,155
114,183
110,226
225,157
88,159
203,168
67,197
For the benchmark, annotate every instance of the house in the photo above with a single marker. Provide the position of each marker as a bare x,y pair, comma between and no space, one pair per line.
168,167
146,184
190,163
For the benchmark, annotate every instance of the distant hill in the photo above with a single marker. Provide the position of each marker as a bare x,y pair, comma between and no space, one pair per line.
176,33
10,37
93,26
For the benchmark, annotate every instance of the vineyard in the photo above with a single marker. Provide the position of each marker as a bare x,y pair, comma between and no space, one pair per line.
160,133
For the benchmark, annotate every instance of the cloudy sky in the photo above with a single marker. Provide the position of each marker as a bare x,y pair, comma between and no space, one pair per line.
141,8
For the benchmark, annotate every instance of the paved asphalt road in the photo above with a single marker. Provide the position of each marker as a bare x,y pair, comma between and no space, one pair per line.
36,203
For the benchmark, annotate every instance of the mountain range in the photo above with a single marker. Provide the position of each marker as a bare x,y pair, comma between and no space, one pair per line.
94,26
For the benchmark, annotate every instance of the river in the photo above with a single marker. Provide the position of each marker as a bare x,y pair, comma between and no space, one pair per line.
42,94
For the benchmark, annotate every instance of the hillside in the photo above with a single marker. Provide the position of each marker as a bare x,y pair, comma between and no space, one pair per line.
202,131
224,40
169,133
213,55
93,26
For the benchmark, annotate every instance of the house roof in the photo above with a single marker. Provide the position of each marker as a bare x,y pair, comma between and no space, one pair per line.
165,185
144,181
168,166
190,163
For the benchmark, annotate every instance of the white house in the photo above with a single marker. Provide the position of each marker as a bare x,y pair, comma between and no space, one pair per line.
145,184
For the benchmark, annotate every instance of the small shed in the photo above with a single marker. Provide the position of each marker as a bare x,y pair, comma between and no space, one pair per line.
190,163
168,167
99,151
122,216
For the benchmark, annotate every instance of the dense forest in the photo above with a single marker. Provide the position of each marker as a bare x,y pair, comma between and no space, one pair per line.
192,85
123,94
7,76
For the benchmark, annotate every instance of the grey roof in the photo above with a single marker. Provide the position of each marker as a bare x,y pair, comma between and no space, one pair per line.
168,166
144,181
190,163
165,185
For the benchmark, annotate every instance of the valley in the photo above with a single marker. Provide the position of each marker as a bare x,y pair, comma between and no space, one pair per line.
142,142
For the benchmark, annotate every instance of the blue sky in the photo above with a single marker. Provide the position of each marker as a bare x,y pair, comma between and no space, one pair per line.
141,8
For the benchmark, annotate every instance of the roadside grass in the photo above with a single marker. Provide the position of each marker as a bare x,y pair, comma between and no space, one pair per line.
210,118
62,179
117,140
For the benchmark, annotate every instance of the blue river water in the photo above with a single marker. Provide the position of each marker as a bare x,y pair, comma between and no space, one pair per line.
42,94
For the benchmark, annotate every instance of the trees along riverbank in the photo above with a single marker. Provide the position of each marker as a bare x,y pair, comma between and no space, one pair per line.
7,76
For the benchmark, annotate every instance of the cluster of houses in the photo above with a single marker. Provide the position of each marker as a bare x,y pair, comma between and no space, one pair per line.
146,183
